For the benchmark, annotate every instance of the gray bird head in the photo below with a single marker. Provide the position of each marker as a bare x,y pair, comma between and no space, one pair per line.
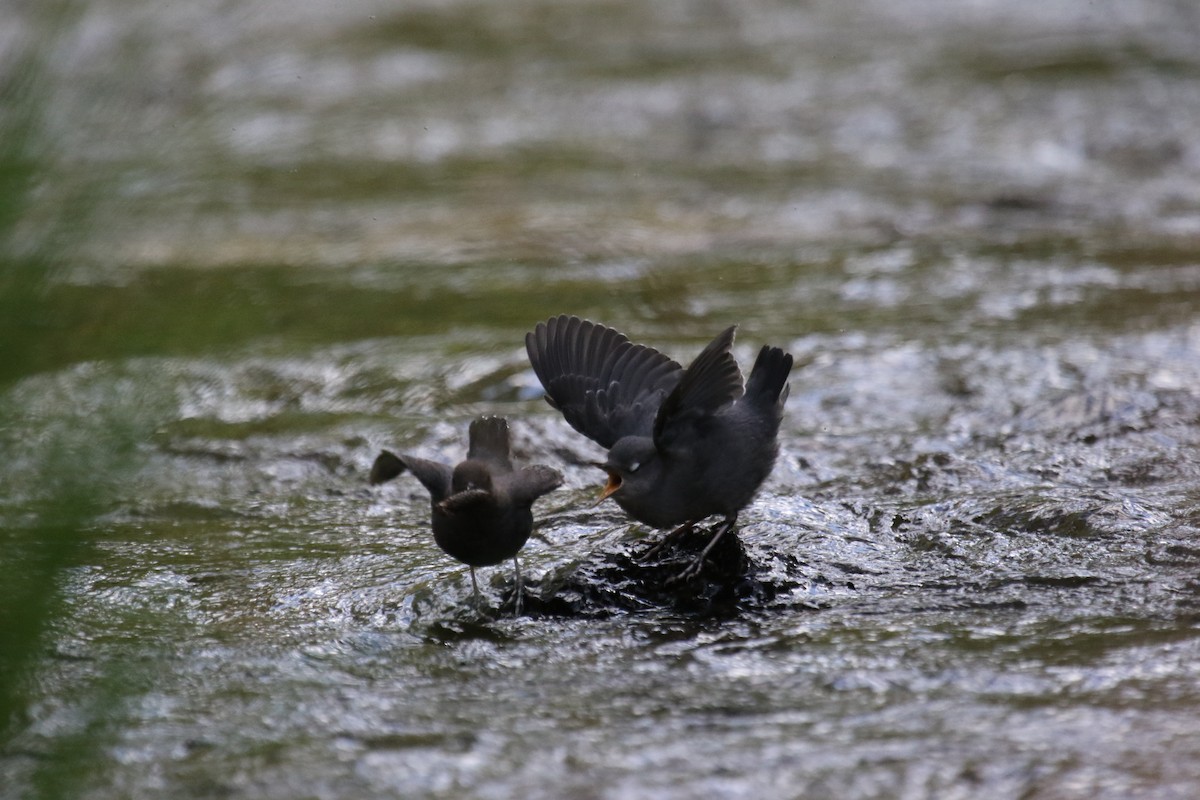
633,468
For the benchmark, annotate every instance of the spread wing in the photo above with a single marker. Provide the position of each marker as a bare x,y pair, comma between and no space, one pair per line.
387,466
433,476
712,382
529,483
489,443
605,386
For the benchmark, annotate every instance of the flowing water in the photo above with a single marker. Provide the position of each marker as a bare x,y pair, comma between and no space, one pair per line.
261,242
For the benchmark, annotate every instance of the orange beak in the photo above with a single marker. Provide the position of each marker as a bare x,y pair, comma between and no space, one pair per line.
614,483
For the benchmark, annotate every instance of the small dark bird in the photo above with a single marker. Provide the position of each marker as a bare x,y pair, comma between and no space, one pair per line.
482,508
683,444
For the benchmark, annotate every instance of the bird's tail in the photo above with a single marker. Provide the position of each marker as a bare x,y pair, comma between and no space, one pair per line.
489,442
767,384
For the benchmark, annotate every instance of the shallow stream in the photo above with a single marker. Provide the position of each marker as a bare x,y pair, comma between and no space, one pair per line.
282,238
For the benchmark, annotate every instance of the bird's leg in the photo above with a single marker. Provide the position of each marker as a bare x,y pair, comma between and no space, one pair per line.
670,537
693,569
519,591
474,589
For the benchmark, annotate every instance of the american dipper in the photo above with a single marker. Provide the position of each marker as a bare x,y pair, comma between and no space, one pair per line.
482,511
683,444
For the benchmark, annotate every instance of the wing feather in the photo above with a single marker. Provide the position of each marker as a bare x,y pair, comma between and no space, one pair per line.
710,383
605,386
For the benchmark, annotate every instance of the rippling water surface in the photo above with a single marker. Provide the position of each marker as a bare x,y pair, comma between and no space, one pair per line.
248,247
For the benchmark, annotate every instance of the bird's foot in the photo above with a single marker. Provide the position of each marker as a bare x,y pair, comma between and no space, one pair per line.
696,565
661,546
688,573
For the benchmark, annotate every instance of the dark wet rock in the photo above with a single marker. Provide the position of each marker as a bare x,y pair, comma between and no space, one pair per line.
625,580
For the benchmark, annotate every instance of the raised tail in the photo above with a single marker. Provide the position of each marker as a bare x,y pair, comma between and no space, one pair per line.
489,443
767,385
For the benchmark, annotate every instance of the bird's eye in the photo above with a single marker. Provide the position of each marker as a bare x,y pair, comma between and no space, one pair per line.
635,466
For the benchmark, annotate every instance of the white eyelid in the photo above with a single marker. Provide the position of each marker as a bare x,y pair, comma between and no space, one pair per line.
635,466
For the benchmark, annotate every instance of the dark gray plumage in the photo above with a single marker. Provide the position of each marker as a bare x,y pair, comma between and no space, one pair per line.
683,444
482,508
